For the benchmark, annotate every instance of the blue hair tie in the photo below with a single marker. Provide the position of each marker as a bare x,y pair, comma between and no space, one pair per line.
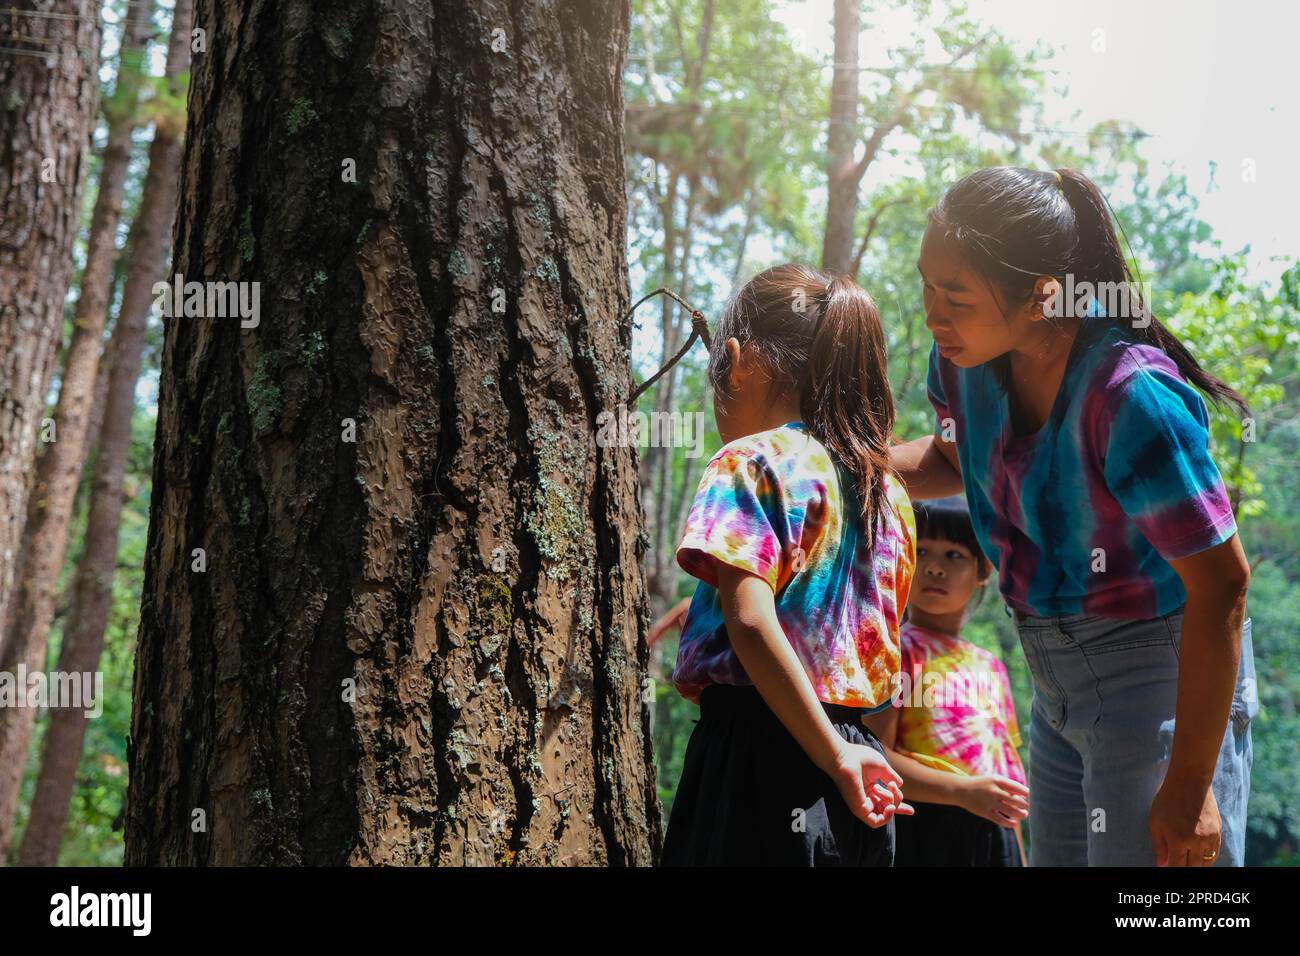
1094,310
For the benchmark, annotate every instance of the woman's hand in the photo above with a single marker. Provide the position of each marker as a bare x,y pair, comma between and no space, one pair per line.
869,785
1185,831
673,620
996,798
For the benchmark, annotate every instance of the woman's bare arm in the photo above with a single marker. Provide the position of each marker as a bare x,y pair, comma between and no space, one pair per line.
1216,581
928,467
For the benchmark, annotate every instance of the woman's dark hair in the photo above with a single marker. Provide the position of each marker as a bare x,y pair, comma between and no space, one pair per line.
821,335
1014,225
948,519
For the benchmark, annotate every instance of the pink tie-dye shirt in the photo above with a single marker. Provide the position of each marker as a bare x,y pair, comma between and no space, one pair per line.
956,711
776,505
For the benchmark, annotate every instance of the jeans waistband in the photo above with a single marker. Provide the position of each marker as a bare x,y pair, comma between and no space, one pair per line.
1024,617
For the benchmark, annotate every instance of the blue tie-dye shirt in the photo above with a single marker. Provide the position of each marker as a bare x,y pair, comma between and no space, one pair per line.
1084,515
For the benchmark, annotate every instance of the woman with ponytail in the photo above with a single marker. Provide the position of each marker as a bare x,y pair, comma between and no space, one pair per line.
804,545
1074,422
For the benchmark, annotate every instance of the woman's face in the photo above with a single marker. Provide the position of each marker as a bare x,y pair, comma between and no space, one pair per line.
962,313
946,576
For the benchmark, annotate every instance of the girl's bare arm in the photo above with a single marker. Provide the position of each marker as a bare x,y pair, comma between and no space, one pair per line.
927,784
749,610
921,782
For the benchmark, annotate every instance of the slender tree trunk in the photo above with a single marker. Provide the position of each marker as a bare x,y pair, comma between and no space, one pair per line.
649,466
751,203
415,631
58,469
47,109
676,327
842,173
685,498
83,635
661,563
94,423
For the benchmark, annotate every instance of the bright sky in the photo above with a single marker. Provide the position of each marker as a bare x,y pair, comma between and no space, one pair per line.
1211,82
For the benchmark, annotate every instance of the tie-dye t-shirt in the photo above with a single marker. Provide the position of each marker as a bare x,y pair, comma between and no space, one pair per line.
1084,515
775,504
956,712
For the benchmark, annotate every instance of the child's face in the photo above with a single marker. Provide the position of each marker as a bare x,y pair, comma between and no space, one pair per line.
946,576
962,312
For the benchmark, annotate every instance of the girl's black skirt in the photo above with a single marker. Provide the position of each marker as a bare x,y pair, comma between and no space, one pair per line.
942,835
750,796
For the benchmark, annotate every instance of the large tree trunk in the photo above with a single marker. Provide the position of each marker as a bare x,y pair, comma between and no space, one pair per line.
58,470
843,174
47,109
470,560
83,634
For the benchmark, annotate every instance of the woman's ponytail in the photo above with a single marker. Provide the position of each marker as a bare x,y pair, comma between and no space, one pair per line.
1015,225
845,397
1098,258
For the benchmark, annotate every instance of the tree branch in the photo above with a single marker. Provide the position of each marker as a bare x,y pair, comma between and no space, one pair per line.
905,101
871,228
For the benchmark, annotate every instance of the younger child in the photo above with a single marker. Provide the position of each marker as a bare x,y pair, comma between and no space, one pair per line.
804,545
952,734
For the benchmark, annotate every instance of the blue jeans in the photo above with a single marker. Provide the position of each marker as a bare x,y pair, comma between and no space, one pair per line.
1101,731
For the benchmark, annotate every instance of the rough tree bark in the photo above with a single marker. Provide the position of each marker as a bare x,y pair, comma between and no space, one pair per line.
58,469
92,587
470,561
47,109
